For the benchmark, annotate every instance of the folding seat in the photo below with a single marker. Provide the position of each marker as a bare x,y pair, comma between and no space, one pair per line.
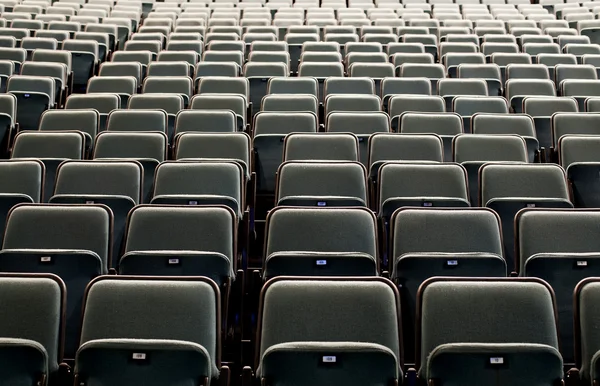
376,71
503,331
85,121
380,348
593,60
372,58
399,104
461,242
321,184
341,85
85,60
142,57
15,55
552,60
433,72
148,148
170,103
33,43
348,254
17,33
351,102
567,251
205,121
320,71
527,71
101,38
206,183
191,58
429,42
414,86
467,106
146,252
453,60
138,120
508,188
564,123
235,102
181,85
35,94
116,184
489,48
144,45
451,88
57,71
399,147
102,103
32,351
23,182
438,185
258,75
362,47
107,346
581,49
518,89
581,90
290,103
111,30
8,42
563,72
399,59
542,109
454,37
270,57
585,321
261,46
288,85
504,59
47,239
472,151
178,68
394,48
320,146
120,69
122,86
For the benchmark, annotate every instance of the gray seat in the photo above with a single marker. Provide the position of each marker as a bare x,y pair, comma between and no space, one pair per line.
361,124
433,72
362,346
518,327
467,106
412,86
508,188
51,148
427,184
103,104
586,294
23,182
123,86
385,147
170,103
458,242
215,147
214,68
138,120
258,75
85,57
446,125
148,148
50,239
201,183
542,109
577,154
234,102
490,72
297,237
205,121
518,89
336,85
472,151
308,146
8,115
117,69
351,102
116,184
31,345
290,103
86,121
190,344
321,184
563,257
519,124
399,104
451,88
35,94
287,85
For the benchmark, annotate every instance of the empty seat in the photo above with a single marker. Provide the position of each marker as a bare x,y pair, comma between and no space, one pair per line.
147,253
335,85
446,125
362,346
49,239
170,103
137,120
451,88
201,183
472,151
459,242
585,321
234,102
433,72
321,184
297,237
35,94
351,102
508,188
85,57
320,146
541,109
518,89
190,344
496,333
118,185
123,86
148,148
563,257
578,155
490,72
31,345
102,103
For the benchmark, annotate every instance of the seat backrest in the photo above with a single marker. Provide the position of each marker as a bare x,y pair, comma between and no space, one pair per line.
23,177
36,144
112,84
43,320
158,305
520,124
205,121
523,181
320,146
358,123
137,120
44,226
566,123
271,122
578,148
171,103
352,102
233,146
400,104
287,85
58,120
290,102
334,85
547,106
311,230
489,148
103,103
114,178
431,123
137,145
